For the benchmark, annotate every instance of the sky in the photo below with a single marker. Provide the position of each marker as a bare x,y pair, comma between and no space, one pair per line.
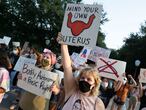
125,17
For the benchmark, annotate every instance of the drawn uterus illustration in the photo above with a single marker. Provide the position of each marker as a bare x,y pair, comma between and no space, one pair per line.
78,26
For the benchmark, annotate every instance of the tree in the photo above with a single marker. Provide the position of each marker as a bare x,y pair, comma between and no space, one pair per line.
133,49
35,21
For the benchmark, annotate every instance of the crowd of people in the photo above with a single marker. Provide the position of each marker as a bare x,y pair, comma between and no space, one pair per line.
80,89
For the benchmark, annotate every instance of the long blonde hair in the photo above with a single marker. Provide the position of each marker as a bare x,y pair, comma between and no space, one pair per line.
95,74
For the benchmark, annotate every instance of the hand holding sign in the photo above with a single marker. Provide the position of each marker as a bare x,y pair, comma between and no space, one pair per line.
59,38
55,89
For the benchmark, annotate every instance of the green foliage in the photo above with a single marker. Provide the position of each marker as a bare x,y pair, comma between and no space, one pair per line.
133,49
36,20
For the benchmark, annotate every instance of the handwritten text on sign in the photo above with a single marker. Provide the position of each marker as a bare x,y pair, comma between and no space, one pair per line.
81,24
97,52
21,61
36,80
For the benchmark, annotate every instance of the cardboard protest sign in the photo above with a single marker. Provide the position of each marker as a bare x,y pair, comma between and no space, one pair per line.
81,24
6,40
36,80
111,68
2,41
21,61
74,55
142,75
16,44
97,52
82,57
25,45
60,74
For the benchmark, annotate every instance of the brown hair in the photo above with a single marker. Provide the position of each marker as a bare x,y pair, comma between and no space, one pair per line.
4,60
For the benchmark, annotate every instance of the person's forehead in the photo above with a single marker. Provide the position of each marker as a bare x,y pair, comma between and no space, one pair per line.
46,55
87,75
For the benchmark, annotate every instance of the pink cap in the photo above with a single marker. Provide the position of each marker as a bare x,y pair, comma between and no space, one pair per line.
50,54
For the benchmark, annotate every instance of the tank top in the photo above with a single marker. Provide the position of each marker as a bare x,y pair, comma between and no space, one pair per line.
80,102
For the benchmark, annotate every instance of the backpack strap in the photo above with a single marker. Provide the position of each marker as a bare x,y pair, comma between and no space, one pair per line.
60,107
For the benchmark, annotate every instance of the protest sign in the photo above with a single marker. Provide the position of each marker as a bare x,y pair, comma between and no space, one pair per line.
142,75
2,41
6,40
82,57
25,45
74,56
16,44
81,24
111,68
60,74
97,52
21,61
36,80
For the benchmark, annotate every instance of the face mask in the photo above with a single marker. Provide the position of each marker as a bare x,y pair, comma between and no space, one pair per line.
84,86
124,80
57,65
45,63
15,51
104,84
110,84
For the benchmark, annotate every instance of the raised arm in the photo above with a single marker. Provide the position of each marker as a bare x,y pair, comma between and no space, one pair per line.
117,85
133,81
140,89
69,80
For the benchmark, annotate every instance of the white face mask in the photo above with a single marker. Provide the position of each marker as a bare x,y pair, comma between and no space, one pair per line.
104,84
57,65
110,84
76,73
15,51
124,80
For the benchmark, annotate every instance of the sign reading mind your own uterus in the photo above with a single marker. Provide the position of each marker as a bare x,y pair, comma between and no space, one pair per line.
81,24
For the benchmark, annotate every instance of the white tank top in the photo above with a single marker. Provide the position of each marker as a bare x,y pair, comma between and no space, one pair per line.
80,102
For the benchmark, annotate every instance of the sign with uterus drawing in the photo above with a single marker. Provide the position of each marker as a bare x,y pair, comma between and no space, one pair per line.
111,68
81,24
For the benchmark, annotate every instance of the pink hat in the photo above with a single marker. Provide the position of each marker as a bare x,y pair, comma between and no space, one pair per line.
49,53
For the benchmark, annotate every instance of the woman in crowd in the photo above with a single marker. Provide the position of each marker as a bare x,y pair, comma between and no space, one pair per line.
4,74
122,89
31,101
106,90
80,94
134,97
142,97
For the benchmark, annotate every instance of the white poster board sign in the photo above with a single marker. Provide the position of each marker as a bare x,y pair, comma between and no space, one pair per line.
21,61
111,68
16,44
60,74
25,45
82,57
74,55
6,40
36,80
81,24
142,75
97,52
2,41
